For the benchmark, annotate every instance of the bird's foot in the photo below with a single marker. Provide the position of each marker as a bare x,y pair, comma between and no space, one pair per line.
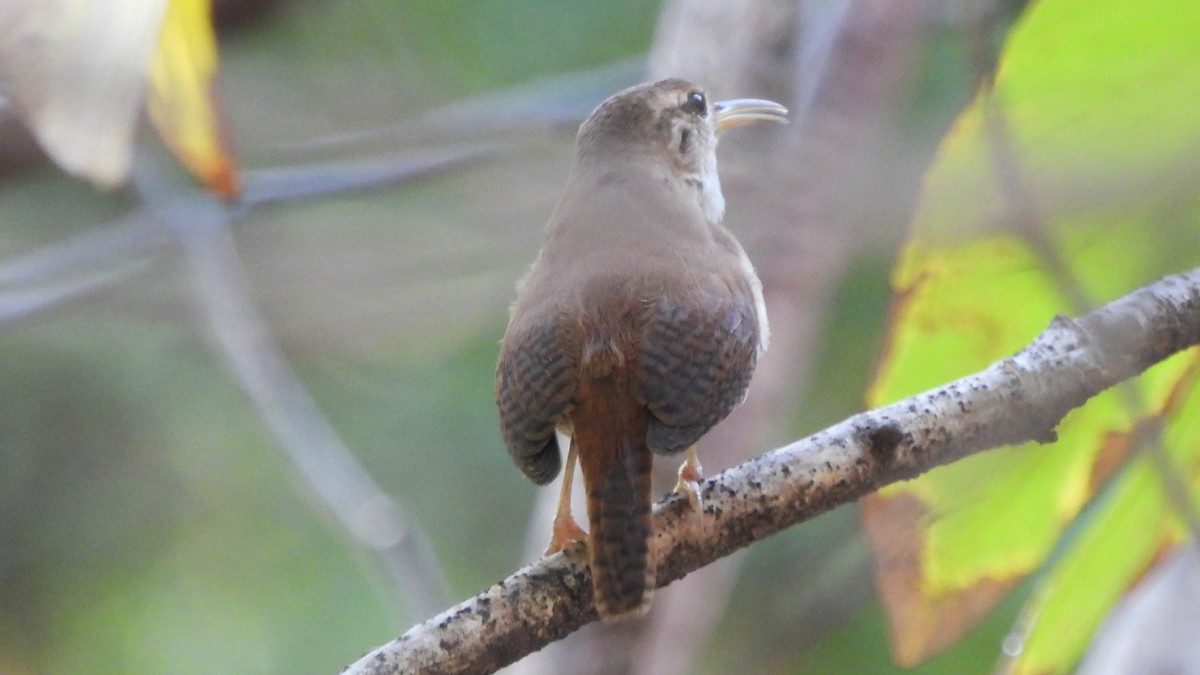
564,532
690,475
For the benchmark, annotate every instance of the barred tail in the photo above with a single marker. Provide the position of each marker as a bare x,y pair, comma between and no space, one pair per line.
619,518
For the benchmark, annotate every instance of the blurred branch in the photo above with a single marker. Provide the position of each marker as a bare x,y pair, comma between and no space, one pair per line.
820,25
289,183
542,103
88,262
76,266
1015,400
201,224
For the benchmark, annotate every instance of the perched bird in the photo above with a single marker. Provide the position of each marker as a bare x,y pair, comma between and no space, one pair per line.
637,328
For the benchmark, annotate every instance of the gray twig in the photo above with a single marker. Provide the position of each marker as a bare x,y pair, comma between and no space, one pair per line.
242,338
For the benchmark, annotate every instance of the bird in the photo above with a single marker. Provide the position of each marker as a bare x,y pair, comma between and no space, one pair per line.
638,326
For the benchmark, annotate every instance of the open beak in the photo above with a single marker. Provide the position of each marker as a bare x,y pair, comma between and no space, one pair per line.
742,111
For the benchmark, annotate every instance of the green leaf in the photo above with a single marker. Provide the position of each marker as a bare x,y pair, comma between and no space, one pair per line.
1069,184
1132,525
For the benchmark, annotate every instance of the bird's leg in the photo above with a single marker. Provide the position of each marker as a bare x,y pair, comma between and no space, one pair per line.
565,531
690,475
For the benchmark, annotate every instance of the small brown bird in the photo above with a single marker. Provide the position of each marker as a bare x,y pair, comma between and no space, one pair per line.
639,325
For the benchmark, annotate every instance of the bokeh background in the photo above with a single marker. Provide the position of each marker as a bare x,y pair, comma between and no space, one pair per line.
149,522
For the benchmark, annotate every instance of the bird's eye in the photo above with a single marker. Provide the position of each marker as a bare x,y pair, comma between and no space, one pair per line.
695,104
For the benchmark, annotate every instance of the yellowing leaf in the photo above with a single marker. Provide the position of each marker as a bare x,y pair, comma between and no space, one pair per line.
1133,524
76,73
75,70
181,101
921,622
1097,104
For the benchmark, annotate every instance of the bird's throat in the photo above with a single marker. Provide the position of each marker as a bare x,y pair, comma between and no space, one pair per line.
707,189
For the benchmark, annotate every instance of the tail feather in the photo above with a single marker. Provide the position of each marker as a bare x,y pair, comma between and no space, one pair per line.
609,426
619,518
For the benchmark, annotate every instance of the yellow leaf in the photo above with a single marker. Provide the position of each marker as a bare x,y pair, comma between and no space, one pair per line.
181,100
920,622
1097,103
1132,525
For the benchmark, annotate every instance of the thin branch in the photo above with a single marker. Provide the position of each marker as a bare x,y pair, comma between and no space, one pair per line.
1017,399
241,337
287,184
76,266
562,99
100,257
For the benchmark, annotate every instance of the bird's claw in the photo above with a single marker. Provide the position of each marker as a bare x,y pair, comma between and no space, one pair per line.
563,533
690,475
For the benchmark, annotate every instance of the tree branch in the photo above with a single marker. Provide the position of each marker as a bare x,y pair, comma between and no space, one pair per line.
1017,399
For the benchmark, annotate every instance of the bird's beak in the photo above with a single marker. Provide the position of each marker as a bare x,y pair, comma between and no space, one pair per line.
743,111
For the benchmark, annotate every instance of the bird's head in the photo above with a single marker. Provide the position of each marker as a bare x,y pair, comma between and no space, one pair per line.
672,122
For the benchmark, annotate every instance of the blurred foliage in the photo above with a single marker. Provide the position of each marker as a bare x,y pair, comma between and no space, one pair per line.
480,45
1066,185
